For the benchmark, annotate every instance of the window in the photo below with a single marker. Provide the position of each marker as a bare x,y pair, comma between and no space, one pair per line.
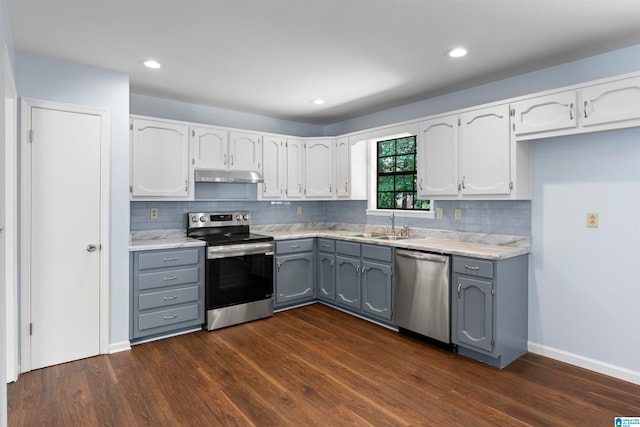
396,175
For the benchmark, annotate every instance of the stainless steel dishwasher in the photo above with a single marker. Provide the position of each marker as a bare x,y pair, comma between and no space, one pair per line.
422,294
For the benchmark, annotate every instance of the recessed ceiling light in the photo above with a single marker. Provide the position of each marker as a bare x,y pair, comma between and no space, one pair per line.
150,63
458,52
317,101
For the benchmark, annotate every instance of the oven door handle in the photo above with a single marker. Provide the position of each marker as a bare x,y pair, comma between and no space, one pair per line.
215,252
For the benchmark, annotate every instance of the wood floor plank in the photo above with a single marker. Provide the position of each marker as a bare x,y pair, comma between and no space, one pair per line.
312,366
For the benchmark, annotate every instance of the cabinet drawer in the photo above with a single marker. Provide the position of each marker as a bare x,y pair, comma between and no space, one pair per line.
168,259
168,317
326,245
348,248
294,246
380,253
160,279
167,298
473,267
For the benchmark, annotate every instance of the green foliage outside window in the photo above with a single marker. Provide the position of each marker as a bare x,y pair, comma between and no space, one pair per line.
396,171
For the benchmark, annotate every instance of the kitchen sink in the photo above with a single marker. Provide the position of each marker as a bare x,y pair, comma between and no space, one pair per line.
369,235
390,237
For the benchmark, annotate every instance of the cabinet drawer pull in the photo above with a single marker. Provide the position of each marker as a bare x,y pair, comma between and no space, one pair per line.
175,258
295,246
471,267
326,246
170,298
169,278
173,316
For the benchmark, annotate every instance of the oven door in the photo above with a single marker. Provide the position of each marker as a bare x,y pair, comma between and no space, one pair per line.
237,274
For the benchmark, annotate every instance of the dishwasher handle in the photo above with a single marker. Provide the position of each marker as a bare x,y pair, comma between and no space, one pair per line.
424,256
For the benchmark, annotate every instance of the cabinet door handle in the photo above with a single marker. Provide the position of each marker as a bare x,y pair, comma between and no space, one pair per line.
278,266
459,290
463,182
346,186
175,258
571,111
231,163
471,267
330,188
186,185
358,269
586,104
173,316
331,263
420,184
170,298
169,278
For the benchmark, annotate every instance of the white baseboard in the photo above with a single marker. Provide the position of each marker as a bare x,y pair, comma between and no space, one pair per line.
586,363
117,347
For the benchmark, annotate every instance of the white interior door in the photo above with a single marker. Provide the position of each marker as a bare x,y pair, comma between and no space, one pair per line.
65,230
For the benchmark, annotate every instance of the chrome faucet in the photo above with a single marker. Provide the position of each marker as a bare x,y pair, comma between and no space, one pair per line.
393,223
405,231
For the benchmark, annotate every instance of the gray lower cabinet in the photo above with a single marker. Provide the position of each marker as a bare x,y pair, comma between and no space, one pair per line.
326,270
489,303
364,279
294,282
167,293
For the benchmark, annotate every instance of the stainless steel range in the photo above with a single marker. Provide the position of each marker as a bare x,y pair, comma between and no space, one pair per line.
239,268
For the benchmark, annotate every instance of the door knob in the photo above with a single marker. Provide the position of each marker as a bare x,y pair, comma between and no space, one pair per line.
91,248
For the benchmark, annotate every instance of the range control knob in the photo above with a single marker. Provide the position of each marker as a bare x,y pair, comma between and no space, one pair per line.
238,217
245,217
194,218
203,218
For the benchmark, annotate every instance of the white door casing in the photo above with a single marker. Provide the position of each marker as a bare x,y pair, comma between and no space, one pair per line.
65,205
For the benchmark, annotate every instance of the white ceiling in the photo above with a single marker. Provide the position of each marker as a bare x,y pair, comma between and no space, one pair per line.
273,57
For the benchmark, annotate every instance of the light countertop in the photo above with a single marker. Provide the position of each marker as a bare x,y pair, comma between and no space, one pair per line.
167,243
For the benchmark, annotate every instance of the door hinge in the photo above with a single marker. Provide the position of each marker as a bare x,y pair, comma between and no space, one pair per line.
30,135
30,328
493,291
458,121
510,185
512,112
193,132
493,343
131,126
131,189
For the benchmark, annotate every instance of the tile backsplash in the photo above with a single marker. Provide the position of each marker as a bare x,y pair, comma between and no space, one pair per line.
500,217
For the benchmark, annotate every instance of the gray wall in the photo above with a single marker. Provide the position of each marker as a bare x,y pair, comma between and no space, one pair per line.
43,78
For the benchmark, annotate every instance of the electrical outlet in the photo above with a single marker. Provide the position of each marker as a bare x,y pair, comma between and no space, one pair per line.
154,213
299,210
458,214
439,213
592,220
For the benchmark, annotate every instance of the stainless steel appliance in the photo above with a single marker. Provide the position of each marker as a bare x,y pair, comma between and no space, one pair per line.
239,268
422,294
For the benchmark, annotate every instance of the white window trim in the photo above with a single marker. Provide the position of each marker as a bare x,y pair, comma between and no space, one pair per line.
372,187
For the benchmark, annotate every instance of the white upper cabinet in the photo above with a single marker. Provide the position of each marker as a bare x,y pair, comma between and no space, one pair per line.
210,147
319,168
484,152
294,169
438,157
342,164
245,151
546,113
614,102
273,168
160,166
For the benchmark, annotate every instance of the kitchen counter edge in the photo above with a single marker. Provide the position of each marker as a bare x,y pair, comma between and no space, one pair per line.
171,243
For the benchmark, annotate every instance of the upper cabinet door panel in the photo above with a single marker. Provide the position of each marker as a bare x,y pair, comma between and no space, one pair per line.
159,159
318,168
294,169
546,113
438,157
343,168
210,148
245,151
273,167
611,102
484,151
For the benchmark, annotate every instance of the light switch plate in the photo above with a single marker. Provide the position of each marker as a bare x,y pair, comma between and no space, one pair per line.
592,220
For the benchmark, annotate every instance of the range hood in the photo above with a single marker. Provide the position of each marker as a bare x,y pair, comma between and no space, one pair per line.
212,175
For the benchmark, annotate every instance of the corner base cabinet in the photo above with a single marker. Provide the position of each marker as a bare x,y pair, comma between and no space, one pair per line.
294,281
167,295
489,309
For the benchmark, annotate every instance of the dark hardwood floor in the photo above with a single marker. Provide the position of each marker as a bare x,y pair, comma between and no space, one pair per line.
312,366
